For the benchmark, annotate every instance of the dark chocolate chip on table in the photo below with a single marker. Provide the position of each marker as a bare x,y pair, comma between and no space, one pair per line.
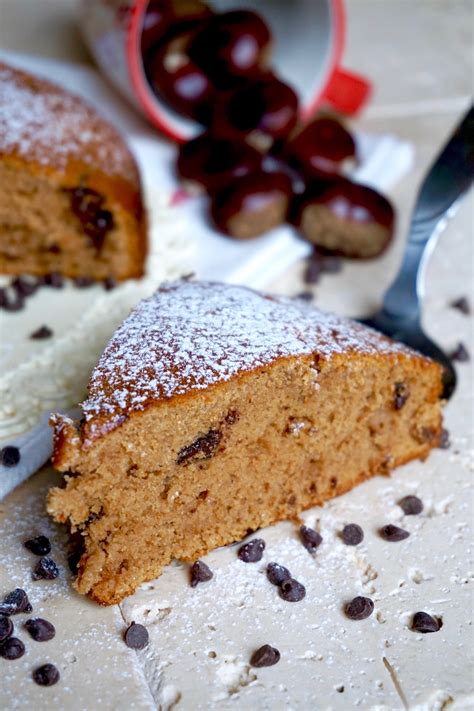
110,284
291,590
40,630
11,301
136,636
444,441
46,675
393,533
25,286
305,296
411,505
310,538
423,622
45,569
352,534
83,282
12,648
54,280
460,353
10,456
40,545
265,656
15,602
6,627
200,573
41,333
252,551
277,573
359,608
462,304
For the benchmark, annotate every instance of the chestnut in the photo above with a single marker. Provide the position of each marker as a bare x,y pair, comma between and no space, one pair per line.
174,77
169,17
213,162
232,46
265,110
320,147
252,205
347,219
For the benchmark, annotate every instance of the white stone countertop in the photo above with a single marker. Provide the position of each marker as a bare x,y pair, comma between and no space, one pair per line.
420,58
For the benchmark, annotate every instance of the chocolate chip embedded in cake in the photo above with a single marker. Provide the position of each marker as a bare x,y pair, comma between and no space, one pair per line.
71,198
187,420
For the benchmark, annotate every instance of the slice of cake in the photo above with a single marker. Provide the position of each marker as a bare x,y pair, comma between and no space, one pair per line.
216,410
71,199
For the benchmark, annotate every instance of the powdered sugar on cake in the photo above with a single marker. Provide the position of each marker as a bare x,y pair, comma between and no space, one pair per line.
190,335
39,121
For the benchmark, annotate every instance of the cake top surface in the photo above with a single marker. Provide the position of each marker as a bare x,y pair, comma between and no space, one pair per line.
42,122
191,335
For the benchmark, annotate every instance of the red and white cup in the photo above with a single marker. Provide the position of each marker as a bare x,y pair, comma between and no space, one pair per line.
309,43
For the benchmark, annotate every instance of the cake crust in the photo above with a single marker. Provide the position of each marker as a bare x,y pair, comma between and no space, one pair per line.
215,410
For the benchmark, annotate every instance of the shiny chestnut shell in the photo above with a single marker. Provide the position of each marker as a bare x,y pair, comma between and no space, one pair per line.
213,162
232,46
346,218
252,205
320,147
266,106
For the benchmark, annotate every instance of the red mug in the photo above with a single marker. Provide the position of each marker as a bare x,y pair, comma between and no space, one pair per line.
309,43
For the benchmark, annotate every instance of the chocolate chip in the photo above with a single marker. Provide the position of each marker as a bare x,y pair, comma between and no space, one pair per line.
83,282
136,636
45,569
393,533
462,305
10,456
110,284
312,272
265,656
15,602
6,627
40,630
310,538
277,573
47,675
423,622
252,551
53,280
359,608
12,648
291,590
401,395
411,505
25,286
460,353
444,441
352,534
87,206
200,573
39,545
41,333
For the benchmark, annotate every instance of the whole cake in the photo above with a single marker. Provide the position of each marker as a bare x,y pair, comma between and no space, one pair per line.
216,410
71,197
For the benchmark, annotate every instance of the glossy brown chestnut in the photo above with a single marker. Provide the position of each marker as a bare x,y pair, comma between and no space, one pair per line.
174,77
320,148
265,108
233,45
169,17
347,219
252,205
213,162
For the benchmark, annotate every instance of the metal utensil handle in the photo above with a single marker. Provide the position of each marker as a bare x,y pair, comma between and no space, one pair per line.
445,184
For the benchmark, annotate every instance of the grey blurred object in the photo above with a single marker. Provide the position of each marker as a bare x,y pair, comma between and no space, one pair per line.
444,186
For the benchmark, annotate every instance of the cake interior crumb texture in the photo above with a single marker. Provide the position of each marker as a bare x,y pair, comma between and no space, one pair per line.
215,411
52,145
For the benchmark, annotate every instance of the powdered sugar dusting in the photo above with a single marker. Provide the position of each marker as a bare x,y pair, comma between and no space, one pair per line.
40,121
190,335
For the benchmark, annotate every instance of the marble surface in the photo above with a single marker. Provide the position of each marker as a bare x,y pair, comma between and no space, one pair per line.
420,58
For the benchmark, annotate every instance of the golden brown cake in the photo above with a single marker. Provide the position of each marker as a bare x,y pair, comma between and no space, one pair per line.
71,199
216,410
